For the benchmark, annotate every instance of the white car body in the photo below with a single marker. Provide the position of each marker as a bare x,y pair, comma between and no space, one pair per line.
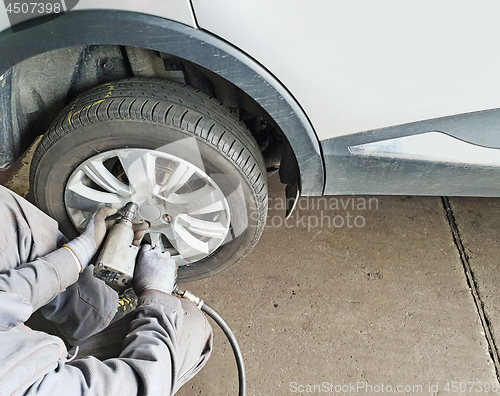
360,76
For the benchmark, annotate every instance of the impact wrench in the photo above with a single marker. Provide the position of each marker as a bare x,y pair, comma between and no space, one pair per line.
116,263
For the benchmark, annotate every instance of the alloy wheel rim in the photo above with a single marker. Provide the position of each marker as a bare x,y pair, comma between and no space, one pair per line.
188,213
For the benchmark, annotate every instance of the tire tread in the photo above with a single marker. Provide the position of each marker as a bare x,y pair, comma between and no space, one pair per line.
159,101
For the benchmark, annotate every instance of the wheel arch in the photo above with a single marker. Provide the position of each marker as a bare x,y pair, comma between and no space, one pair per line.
101,27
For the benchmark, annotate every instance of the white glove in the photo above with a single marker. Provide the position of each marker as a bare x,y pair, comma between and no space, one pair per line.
154,271
85,246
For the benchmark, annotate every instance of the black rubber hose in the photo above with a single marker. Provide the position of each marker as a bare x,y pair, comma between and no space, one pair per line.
234,344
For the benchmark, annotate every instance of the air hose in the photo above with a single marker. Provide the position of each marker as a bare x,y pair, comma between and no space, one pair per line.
203,306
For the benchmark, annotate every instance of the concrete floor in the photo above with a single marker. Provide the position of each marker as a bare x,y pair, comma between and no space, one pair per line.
387,303
380,301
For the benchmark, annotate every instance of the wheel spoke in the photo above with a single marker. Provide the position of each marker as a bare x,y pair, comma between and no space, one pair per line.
213,207
177,179
79,217
193,196
205,200
140,170
81,197
211,229
100,175
156,240
188,245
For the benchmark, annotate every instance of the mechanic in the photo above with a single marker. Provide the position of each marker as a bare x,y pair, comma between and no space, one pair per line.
151,351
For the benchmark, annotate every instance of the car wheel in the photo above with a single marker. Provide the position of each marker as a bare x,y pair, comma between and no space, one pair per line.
192,167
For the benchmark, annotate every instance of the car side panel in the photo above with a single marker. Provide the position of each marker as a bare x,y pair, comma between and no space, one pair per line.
362,65
175,10
454,156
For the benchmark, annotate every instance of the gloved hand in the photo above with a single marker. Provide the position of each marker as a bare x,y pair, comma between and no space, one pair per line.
154,271
86,245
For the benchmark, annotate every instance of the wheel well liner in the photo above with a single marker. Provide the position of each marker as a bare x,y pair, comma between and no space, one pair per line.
200,47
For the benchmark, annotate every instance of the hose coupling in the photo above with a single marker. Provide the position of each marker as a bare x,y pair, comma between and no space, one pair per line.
189,296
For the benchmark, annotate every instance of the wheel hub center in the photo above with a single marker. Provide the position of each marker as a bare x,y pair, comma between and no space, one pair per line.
149,212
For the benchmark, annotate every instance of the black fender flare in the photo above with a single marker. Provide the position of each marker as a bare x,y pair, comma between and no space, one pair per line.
78,28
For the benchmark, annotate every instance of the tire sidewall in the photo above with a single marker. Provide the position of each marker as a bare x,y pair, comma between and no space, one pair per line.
66,154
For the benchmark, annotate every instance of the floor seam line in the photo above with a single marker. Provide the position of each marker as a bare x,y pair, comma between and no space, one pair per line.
469,275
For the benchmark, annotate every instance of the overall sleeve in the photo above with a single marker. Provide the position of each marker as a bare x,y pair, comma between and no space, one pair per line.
85,308
33,273
147,364
33,285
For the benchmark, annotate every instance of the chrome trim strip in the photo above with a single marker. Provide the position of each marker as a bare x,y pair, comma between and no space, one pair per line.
430,146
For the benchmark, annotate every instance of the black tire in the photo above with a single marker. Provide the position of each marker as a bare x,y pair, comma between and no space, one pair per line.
149,113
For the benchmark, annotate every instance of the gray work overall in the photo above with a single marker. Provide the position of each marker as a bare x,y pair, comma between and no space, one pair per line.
152,351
